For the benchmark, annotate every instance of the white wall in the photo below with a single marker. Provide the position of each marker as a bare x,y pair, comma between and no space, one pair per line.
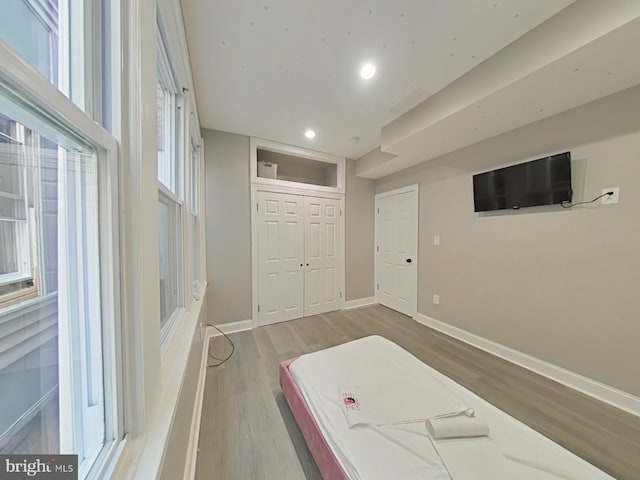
228,226
553,283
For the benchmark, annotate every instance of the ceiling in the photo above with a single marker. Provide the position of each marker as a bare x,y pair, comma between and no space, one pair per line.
274,68
578,56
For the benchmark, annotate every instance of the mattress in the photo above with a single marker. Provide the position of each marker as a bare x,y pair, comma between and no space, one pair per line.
381,452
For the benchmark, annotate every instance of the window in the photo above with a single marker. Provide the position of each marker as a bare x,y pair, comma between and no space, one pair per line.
51,357
58,249
170,168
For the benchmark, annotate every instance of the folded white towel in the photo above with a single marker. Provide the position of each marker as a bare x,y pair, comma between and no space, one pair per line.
459,426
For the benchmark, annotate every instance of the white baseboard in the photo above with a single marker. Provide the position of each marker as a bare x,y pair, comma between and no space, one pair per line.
194,438
605,393
231,327
360,302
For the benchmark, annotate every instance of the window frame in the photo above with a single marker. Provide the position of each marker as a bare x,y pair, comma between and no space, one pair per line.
46,101
175,192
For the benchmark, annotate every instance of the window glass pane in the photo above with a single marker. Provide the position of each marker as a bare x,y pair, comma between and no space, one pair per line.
31,28
12,195
8,251
168,169
50,36
51,369
196,251
169,256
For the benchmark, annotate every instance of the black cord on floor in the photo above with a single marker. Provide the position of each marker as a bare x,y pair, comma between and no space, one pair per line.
570,205
221,360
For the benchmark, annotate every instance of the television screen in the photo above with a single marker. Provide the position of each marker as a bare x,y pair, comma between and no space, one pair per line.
546,181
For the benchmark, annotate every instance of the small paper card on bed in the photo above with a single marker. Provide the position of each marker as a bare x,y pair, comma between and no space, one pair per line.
388,404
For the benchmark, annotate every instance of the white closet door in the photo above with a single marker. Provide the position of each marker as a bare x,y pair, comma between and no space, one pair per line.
322,291
281,256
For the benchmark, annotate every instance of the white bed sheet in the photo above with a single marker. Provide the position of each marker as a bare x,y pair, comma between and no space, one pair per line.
368,452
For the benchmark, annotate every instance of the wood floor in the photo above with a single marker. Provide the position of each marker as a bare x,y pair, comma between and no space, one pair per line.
248,433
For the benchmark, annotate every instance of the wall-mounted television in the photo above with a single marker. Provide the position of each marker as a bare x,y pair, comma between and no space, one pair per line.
546,181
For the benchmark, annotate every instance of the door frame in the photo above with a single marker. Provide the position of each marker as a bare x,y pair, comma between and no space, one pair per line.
255,264
408,189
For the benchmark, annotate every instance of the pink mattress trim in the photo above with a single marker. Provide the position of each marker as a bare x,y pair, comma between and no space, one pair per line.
322,454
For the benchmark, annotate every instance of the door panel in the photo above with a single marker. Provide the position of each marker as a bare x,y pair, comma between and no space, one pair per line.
397,242
280,256
298,256
322,291
331,286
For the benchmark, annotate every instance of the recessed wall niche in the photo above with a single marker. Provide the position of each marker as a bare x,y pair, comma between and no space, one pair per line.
288,167
291,168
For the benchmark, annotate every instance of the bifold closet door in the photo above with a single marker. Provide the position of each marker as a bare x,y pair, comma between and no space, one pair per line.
322,255
281,256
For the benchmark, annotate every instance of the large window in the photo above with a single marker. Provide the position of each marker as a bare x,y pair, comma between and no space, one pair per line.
74,376
59,315
52,371
170,191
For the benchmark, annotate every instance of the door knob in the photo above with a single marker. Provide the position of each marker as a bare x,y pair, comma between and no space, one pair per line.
408,260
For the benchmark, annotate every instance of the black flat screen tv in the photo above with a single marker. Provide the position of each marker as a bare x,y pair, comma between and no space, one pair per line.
546,181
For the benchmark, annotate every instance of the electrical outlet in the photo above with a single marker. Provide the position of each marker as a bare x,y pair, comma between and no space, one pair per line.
436,299
436,240
611,199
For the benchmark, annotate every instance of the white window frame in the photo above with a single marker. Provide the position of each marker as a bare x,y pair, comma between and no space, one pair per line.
174,193
45,99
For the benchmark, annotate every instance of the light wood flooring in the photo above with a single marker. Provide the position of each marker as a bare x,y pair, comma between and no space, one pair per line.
248,433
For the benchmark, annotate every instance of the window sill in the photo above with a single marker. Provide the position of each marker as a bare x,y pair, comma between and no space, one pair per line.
145,453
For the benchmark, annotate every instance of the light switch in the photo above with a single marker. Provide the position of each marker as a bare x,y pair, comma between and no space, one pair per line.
436,240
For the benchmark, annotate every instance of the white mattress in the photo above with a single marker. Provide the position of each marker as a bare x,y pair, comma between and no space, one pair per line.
369,452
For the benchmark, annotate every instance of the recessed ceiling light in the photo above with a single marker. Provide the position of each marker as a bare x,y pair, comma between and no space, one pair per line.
367,71
310,134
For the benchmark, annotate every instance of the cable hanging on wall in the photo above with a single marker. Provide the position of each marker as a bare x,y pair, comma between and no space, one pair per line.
571,205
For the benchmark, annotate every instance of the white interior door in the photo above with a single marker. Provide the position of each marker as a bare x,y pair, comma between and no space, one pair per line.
322,235
281,256
397,249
